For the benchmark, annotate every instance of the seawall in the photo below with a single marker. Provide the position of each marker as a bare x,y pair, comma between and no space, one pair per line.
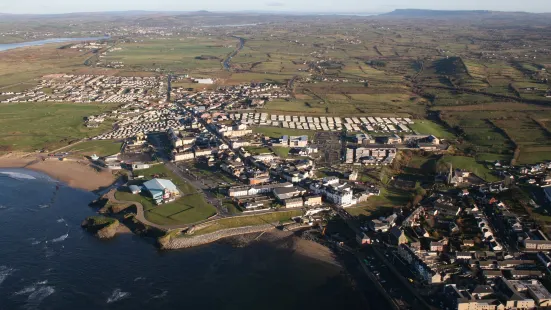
192,241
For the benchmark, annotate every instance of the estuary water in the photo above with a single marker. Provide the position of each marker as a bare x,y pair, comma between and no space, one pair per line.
48,262
9,46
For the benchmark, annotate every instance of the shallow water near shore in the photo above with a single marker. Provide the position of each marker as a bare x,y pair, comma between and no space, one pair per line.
48,262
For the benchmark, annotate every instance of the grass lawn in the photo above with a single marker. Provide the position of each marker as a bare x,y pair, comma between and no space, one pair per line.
252,220
277,132
426,127
32,126
282,152
469,164
256,150
190,208
98,147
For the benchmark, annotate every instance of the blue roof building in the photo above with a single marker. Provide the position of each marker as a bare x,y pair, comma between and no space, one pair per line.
161,189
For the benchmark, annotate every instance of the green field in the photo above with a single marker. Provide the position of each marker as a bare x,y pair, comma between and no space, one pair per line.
252,220
174,54
467,163
426,127
190,208
98,147
33,126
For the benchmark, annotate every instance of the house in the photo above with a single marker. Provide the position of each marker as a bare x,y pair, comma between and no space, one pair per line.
312,201
161,189
526,274
293,202
468,243
492,274
363,239
436,246
378,225
463,256
397,236
539,245
394,139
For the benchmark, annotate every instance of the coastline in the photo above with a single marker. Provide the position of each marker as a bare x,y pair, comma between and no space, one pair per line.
74,173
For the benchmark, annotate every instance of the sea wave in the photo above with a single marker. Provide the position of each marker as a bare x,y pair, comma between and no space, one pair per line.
117,296
36,297
18,175
61,238
160,296
43,206
5,272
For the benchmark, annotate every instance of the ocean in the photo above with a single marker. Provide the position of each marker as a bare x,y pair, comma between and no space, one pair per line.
48,262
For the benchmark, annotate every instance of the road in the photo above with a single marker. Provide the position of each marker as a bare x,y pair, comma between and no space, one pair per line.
388,273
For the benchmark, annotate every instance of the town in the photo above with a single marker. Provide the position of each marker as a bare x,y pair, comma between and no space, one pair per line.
465,244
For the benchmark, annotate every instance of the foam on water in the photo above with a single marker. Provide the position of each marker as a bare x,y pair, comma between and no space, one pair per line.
61,238
61,220
43,206
160,296
117,295
18,175
5,272
139,278
36,297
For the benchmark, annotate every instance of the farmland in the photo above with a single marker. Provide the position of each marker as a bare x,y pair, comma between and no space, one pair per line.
486,96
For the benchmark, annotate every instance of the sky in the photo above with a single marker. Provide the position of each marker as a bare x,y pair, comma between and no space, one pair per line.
325,6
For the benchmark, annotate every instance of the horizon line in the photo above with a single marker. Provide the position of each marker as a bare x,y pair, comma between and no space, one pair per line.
269,12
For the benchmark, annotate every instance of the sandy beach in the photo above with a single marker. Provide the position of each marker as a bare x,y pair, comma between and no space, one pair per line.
76,173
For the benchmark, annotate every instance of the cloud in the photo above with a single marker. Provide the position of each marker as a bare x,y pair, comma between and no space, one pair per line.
275,4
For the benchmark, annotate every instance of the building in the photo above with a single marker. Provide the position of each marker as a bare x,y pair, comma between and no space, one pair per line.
397,236
436,246
134,189
363,239
161,189
363,138
378,225
537,245
533,289
312,201
283,193
183,156
510,293
140,166
293,202
294,141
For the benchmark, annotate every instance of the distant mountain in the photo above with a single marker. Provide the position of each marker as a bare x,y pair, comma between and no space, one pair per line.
436,13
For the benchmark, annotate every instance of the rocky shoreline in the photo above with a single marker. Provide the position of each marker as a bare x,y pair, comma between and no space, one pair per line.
101,227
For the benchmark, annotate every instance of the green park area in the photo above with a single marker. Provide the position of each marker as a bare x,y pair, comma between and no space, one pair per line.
426,127
34,126
98,147
191,207
250,220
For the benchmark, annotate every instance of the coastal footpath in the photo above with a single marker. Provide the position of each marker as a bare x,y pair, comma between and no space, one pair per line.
192,241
